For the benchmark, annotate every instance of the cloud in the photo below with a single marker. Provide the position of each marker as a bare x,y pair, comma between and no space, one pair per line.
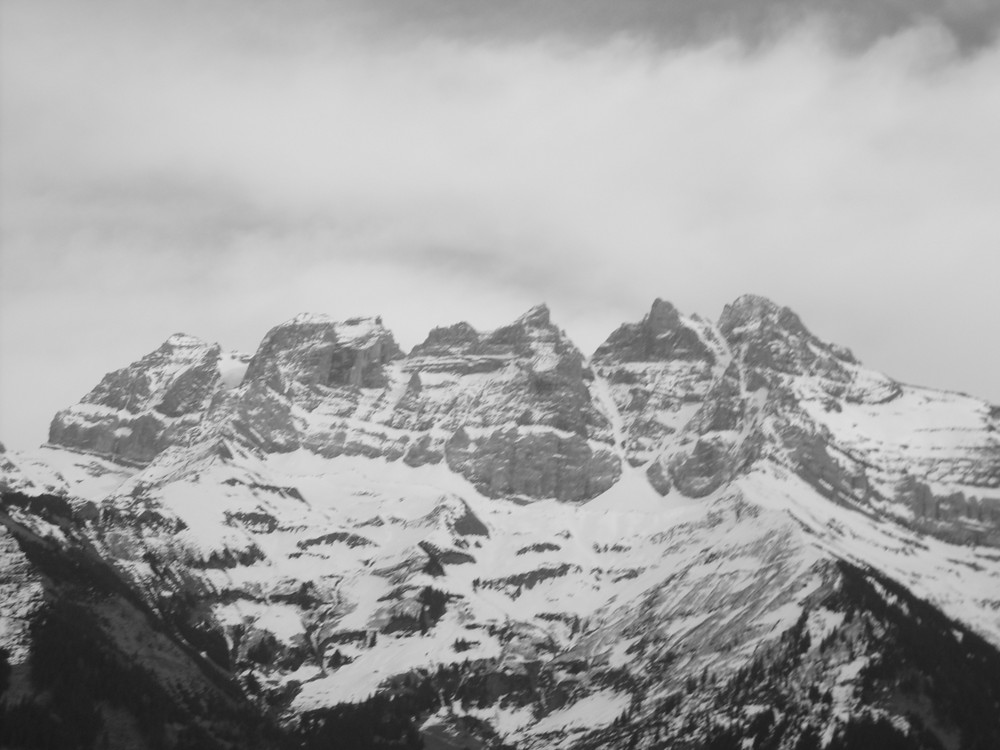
217,170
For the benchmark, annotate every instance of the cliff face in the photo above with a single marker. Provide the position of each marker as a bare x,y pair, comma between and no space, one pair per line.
510,409
314,351
519,411
518,404
137,412
700,525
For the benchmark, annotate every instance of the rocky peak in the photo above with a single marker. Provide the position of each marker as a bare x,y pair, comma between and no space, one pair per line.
529,335
314,350
754,311
137,411
523,335
460,338
663,317
147,382
772,338
538,369
661,335
531,429
537,317
179,342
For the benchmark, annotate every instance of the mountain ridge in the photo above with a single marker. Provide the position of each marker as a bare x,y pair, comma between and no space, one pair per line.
580,552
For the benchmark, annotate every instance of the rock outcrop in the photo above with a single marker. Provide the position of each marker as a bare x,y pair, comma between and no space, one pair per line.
660,336
135,413
314,350
772,338
517,404
511,462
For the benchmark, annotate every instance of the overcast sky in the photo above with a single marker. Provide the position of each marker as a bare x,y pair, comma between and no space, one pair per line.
216,168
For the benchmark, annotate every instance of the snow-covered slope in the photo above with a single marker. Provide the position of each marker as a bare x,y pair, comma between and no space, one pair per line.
525,547
85,662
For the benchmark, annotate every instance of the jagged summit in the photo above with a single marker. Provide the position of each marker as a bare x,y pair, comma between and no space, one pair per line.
771,338
185,341
750,307
136,412
751,312
529,335
317,350
349,327
663,316
305,318
459,338
661,335
538,316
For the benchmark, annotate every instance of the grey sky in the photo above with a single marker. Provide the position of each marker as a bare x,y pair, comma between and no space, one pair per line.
667,23
217,168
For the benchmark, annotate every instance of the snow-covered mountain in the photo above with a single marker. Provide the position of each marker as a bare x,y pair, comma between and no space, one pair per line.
710,535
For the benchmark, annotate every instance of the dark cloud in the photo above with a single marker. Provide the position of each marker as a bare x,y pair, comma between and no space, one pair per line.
855,24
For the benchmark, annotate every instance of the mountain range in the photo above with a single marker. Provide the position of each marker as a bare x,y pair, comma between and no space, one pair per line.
725,534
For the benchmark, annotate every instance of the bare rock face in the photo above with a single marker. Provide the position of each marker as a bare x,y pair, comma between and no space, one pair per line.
458,339
309,364
724,407
772,338
721,439
509,462
708,465
536,378
135,413
838,478
517,401
317,351
174,380
954,516
661,335
262,417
